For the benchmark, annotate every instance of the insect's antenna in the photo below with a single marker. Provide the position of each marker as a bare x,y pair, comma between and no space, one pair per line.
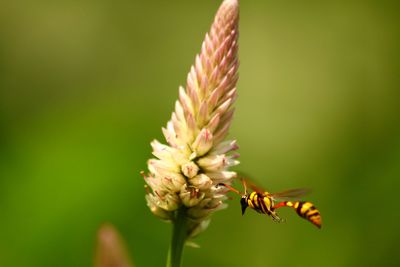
230,188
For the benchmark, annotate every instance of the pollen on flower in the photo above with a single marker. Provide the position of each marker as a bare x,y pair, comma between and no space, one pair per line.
186,170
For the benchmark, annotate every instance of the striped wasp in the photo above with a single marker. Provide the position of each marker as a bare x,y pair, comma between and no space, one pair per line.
267,203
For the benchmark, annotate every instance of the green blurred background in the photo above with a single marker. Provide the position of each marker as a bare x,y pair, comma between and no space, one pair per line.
86,85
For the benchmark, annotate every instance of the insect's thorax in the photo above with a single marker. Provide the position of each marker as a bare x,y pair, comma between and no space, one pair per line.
261,202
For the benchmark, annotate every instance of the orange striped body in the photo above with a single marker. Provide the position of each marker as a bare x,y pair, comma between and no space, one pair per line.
304,209
264,202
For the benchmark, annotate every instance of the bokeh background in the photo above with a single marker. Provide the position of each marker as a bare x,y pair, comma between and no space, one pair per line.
86,85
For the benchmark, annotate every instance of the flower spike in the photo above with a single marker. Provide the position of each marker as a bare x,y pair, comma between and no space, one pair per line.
187,171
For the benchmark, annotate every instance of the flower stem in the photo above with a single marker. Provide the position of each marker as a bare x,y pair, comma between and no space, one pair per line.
179,235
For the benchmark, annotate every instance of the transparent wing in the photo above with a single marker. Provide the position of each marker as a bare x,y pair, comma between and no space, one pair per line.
247,181
253,186
291,194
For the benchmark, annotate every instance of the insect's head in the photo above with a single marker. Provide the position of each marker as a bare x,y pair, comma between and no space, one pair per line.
243,203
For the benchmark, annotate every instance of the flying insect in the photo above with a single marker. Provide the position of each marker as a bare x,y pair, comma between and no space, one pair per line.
267,203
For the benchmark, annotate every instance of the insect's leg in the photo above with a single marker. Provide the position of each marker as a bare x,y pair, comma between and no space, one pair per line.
277,206
275,217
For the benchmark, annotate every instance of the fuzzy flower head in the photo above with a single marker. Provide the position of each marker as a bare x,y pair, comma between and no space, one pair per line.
196,158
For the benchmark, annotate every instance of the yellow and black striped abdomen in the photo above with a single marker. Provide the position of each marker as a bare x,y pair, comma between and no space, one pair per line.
307,210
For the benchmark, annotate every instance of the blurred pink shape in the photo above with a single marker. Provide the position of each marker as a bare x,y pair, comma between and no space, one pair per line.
111,250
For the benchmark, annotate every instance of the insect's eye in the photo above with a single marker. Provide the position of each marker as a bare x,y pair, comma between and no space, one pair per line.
244,204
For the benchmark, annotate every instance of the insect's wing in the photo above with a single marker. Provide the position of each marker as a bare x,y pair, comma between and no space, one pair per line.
255,187
249,182
291,194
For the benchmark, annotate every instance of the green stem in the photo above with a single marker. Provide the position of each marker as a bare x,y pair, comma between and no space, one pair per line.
179,234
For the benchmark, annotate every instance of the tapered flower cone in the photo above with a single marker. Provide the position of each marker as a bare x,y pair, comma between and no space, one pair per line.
187,170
